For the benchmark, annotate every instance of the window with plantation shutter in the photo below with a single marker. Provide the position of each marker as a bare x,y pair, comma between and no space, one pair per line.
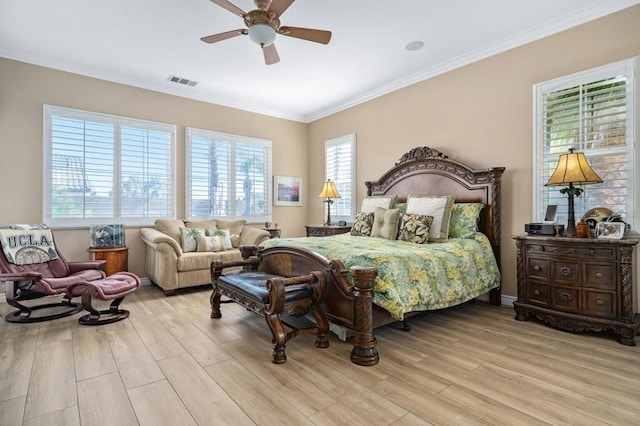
340,167
592,112
102,169
228,176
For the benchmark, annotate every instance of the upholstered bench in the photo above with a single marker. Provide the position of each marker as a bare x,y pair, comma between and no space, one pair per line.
114,287
270,294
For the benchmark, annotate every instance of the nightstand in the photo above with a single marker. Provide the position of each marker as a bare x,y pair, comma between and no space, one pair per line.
117,258
579,284
325,231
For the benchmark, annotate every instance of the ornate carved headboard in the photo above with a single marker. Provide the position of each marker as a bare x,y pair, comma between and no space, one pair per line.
426,171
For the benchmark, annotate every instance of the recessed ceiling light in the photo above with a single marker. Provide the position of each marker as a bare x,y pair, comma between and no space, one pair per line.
412,46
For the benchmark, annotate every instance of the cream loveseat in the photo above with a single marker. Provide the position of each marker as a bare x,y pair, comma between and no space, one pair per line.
170,266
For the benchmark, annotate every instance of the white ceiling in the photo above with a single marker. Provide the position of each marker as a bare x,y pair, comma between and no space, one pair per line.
142,42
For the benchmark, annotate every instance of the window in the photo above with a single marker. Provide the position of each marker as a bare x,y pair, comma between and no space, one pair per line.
340,163
228,176
593,112
101,168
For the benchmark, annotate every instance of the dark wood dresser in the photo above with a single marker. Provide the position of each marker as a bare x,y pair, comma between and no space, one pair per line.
579,284
325,231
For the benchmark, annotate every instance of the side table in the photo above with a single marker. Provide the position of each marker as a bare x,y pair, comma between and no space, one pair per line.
117,258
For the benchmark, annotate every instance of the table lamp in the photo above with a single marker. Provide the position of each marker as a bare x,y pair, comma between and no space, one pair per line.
329,191
572,169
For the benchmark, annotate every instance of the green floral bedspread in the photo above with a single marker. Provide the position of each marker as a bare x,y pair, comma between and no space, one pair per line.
413,277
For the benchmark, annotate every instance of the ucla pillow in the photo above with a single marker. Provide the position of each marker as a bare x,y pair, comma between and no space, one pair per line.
415,228
464,219
362,225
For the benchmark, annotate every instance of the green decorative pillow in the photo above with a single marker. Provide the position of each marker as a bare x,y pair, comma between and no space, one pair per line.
385,223
438,206
362,225
415,228
464,219
402,207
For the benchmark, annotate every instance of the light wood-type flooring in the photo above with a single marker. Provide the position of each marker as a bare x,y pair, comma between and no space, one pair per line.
170,364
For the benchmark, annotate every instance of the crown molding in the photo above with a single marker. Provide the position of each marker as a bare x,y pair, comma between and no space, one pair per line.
552,27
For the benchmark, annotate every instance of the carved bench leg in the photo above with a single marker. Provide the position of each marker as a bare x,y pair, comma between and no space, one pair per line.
279,338
322,340
215,305
364,342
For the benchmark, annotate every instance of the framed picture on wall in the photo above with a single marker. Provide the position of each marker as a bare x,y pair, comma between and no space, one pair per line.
287,191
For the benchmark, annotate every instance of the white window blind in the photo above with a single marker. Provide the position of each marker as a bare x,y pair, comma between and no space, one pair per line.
228,176
101,168
340,167
593,112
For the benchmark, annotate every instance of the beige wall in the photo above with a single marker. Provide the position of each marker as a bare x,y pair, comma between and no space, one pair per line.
480,114
25,88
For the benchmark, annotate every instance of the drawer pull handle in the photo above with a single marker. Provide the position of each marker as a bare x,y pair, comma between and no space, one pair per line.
536,292
599,302
599,275
537,268
566,271
565,298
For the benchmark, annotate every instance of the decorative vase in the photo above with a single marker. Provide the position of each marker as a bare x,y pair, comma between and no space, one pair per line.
582,229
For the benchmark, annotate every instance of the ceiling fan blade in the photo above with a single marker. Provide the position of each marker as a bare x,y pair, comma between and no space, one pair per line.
230,7
270,54
223,36
318,36
279,6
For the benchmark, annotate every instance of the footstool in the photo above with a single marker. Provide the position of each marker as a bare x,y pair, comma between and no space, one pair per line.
114,287
270,296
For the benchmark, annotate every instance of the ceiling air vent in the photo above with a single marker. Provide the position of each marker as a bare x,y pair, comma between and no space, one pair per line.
180,80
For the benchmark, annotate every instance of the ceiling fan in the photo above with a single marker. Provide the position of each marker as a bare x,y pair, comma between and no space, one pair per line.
263,24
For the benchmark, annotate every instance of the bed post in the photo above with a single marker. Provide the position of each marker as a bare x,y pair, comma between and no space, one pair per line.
364,342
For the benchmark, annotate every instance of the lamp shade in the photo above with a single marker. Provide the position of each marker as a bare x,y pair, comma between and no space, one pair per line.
573,168
262,34
329,190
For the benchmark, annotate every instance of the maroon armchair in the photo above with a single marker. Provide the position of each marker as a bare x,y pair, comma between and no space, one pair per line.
23,282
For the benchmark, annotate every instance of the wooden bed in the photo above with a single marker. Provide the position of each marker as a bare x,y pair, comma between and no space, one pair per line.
423,171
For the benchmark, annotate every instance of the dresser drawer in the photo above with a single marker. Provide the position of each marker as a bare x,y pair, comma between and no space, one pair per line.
565,299
538,268
565,272
600,303
600,275
537,293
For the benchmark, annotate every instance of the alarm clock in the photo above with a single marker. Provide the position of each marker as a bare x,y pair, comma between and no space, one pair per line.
342,223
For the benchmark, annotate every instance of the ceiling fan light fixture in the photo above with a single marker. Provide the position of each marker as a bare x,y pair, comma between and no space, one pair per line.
262,34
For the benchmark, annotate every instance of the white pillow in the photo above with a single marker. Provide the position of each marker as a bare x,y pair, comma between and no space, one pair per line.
438,206
215,243
189,236
369,204
225,235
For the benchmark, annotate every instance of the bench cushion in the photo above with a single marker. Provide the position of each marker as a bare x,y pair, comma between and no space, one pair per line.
253,285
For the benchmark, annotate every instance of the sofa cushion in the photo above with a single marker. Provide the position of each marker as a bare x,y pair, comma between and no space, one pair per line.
234,227
171,228
196,261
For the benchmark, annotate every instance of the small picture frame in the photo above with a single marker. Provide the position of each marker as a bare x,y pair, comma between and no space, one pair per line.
610,230
107,235
287,191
